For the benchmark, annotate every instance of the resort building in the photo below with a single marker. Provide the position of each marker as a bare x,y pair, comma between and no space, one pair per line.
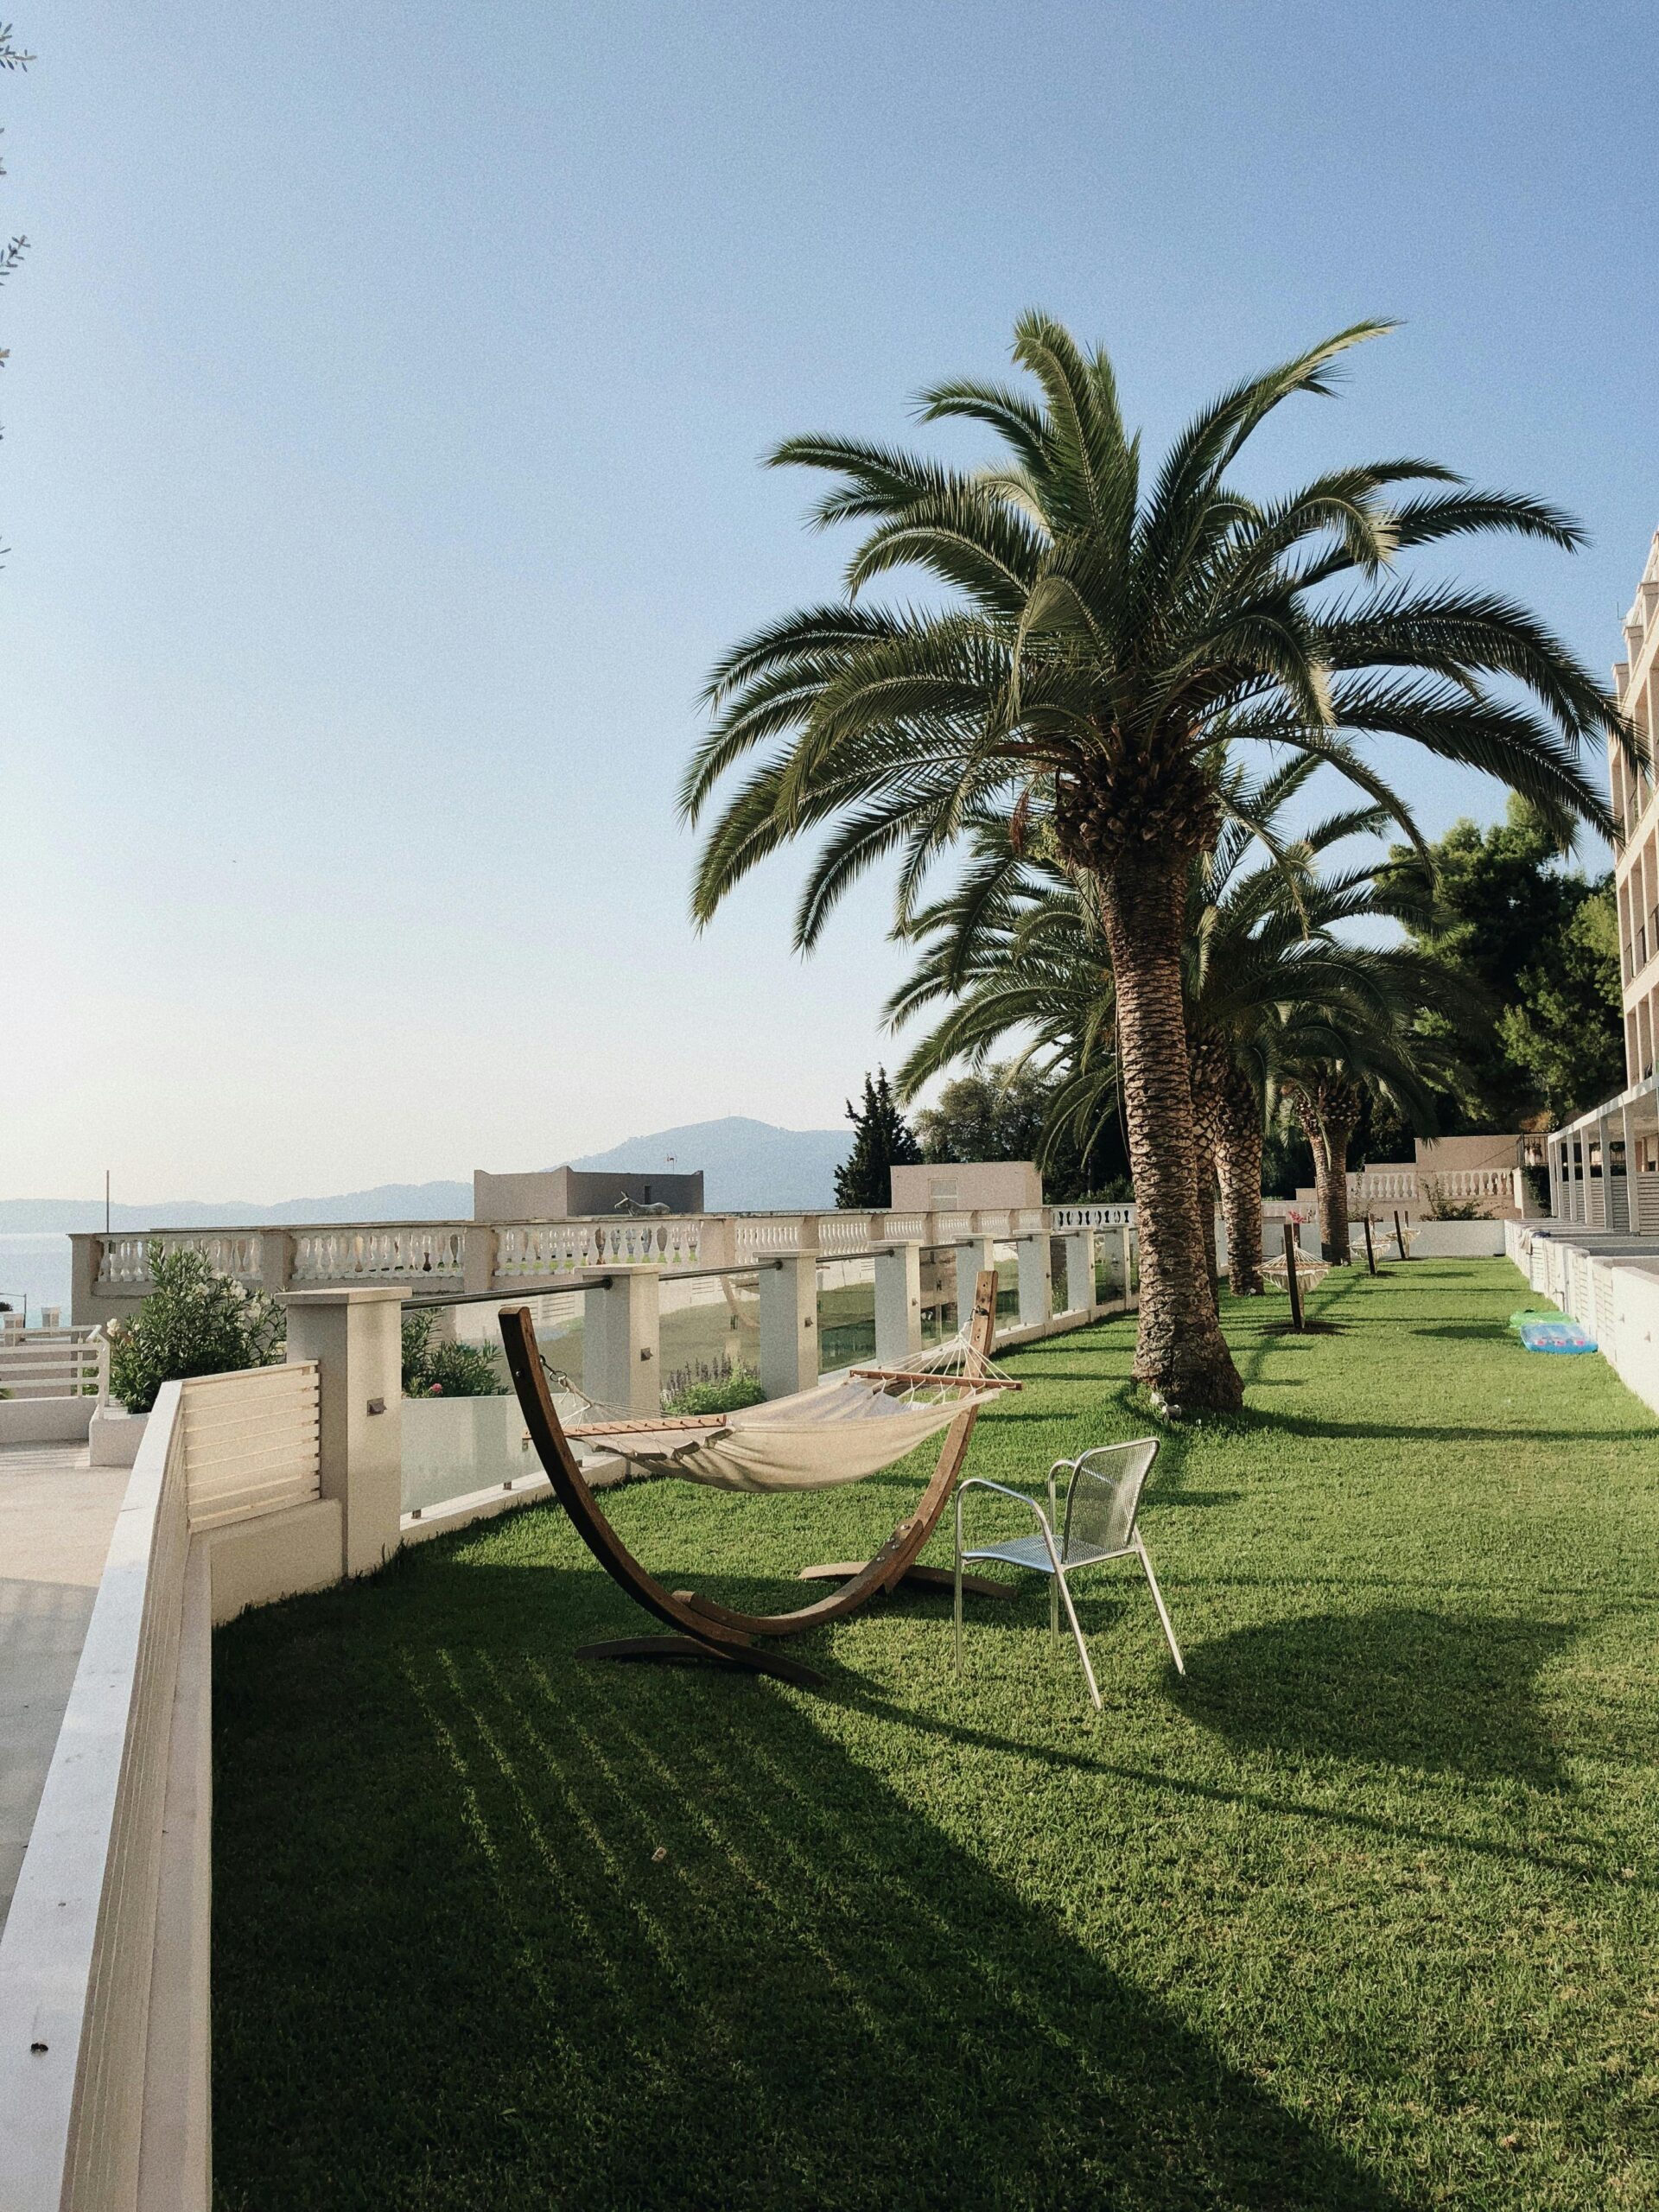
1603,1167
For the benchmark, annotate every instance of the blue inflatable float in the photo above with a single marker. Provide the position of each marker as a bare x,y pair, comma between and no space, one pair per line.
1557,1334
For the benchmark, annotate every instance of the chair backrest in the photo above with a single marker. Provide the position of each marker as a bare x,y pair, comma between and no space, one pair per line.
1103,1496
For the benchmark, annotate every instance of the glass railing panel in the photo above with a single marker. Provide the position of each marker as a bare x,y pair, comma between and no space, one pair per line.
939,1316
846,1313
708,1332
463,1429
1007,1282
1058,1299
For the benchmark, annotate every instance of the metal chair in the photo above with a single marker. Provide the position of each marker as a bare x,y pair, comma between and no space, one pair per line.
1102,1500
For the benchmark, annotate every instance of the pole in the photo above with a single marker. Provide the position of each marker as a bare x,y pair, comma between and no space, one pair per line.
1291,1280
1399,1234
106,1201
1370,1255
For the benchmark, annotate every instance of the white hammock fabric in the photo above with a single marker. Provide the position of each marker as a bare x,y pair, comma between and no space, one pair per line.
842,1432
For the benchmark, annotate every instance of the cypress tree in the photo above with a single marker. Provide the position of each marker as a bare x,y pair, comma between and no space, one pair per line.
881,1141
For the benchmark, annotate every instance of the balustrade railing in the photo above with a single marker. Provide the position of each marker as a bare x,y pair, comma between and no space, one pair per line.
126,1260
395,1252
476,1258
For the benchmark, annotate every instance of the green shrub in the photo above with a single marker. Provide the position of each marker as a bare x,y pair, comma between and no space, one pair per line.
1437,1207
719,1389
194,1322
445,1370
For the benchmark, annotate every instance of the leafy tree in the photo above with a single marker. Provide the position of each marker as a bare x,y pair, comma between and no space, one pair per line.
1565,1032
1507,920
1003,1112
194,1322
1104,642
996,1115
881,1141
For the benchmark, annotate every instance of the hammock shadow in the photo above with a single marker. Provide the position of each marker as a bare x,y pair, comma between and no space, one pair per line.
1410,1688
603,1936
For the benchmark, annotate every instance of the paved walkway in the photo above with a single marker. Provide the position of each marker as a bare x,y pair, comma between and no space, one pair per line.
56,1517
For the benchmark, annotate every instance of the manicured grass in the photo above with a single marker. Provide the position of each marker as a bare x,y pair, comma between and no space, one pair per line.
1362,1914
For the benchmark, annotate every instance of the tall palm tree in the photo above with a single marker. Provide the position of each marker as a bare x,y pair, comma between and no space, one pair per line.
1100,642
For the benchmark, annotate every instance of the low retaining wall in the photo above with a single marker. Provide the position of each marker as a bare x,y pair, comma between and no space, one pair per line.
46,1421
1614,1296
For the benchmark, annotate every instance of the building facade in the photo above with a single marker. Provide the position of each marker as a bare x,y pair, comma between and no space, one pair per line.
1603,1167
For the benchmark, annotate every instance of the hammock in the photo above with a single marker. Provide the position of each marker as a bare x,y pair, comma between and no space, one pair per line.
838,1433
842,1432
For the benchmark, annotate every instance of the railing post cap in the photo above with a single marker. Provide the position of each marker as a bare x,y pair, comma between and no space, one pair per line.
364,1293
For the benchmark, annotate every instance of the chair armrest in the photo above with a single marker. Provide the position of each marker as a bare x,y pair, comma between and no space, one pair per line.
1020,1497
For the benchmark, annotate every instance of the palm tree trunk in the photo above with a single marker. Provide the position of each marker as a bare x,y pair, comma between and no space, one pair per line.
1238,1161
1207,1062
1181,1355
1329,1114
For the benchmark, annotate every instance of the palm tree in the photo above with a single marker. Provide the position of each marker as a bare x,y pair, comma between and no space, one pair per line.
1101,642
1016,951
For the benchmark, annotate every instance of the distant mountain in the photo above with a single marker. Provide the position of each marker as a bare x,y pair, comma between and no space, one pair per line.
386,1202
748,1167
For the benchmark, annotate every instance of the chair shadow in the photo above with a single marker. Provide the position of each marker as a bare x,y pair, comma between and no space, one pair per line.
1437,1692
550,1933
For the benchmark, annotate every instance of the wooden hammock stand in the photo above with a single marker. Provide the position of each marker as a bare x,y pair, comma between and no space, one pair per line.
699,1628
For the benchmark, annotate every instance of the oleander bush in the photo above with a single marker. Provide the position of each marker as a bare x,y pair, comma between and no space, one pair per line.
194,1322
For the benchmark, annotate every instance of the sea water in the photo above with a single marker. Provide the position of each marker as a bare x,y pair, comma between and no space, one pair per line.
35,1272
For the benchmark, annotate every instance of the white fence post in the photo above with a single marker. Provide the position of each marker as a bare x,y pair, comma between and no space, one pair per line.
356,1339
975,1256
898,1304
478,1257
1080,1270
1036,1284
789,1325
621,1362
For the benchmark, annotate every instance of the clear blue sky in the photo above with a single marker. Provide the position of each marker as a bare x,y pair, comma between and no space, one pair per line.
386,389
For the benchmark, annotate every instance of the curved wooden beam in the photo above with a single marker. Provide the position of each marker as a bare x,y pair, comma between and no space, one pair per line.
727,1634
694,1639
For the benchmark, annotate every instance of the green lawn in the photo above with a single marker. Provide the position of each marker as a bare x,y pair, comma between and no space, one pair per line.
1361,1914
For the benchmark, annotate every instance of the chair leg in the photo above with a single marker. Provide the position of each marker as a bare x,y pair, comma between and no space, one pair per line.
1077,1632
1163,1610
958,1610
1054,1606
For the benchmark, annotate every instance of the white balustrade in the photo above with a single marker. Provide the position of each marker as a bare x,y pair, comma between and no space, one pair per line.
400,1251
126,1260
762,1237
841,1233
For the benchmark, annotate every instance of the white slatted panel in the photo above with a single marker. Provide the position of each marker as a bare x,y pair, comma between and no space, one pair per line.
1647,1202
250,1442
1603,1280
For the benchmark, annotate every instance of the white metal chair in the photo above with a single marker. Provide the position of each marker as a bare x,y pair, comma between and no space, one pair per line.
1102,1498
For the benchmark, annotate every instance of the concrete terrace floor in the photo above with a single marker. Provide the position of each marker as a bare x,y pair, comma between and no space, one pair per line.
57,1513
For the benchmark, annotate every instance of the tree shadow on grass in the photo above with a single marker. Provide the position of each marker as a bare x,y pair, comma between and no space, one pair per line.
1396,1686
495,1929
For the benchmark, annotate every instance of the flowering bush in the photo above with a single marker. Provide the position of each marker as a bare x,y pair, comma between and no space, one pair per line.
194,1322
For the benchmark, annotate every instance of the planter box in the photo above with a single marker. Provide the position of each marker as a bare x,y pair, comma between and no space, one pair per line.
115,1435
